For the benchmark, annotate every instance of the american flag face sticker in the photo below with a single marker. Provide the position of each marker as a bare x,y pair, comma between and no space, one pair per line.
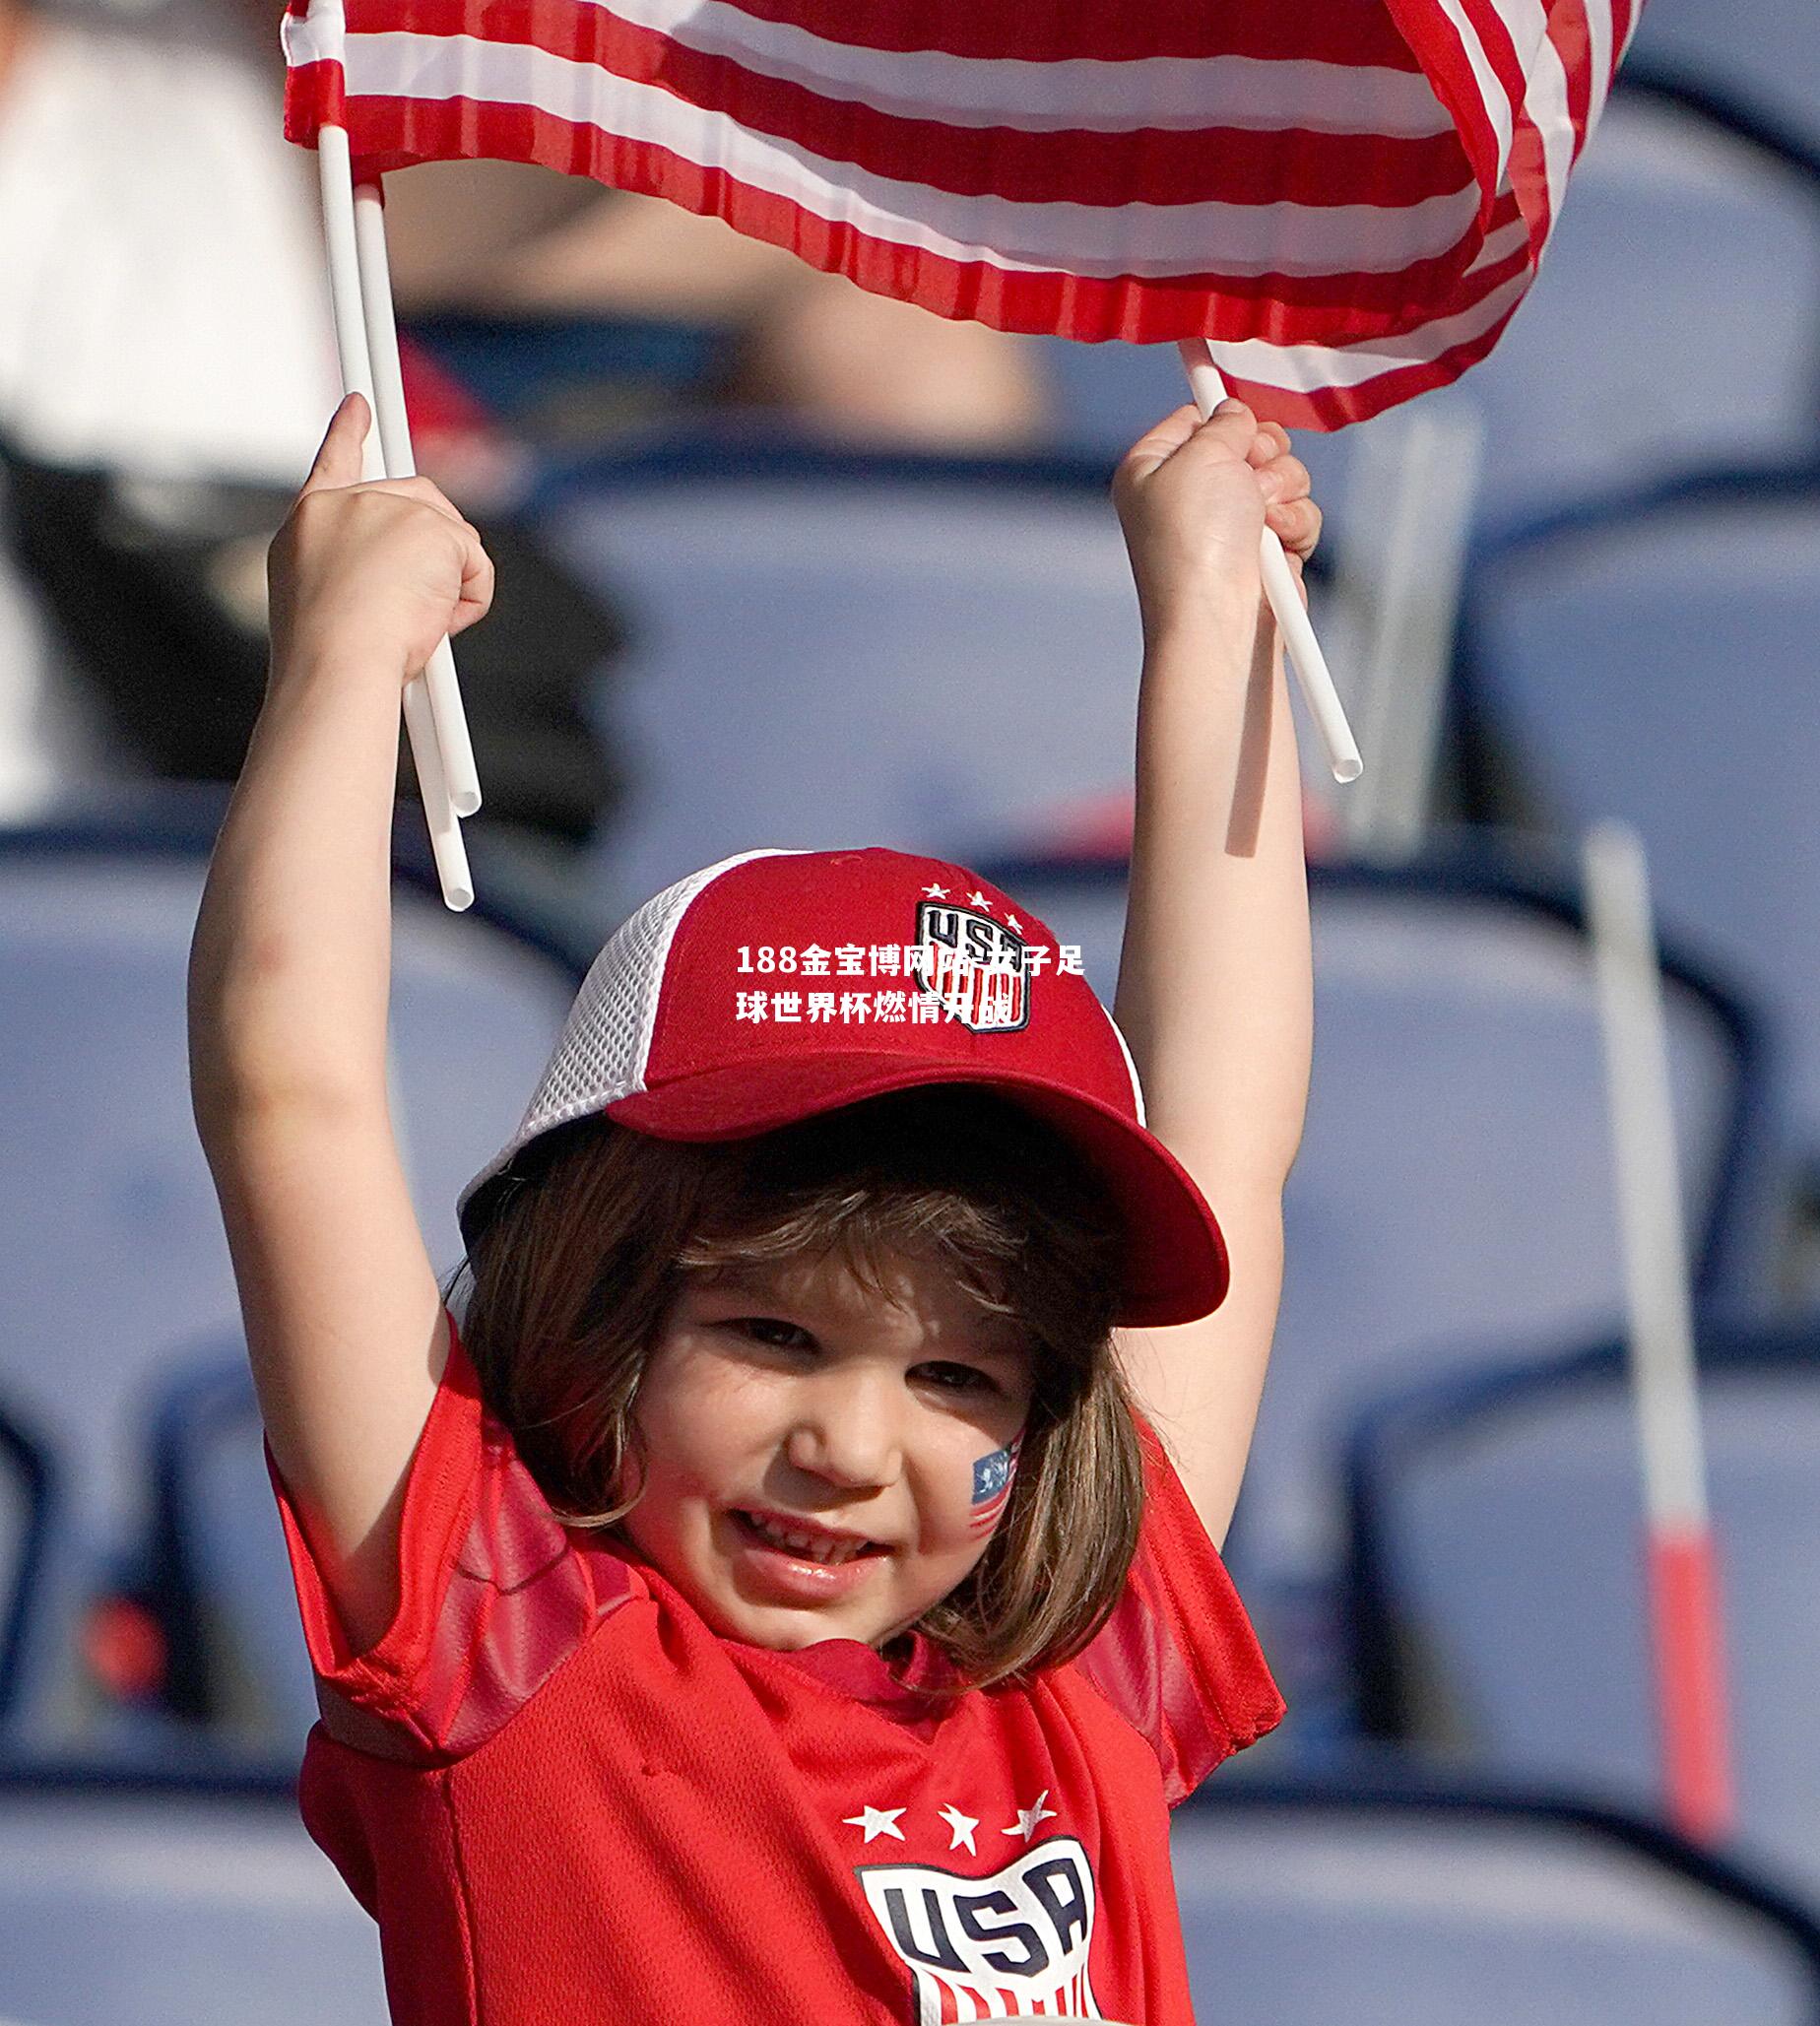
992,1486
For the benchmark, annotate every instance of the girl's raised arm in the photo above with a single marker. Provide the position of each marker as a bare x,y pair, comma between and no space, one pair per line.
1215,992
288,982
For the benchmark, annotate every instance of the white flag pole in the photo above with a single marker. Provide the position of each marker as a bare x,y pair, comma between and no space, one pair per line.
1410,648
1682,1563
337,225
395,444
1279,587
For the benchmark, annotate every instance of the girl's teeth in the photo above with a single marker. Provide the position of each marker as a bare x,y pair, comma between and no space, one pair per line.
822,1550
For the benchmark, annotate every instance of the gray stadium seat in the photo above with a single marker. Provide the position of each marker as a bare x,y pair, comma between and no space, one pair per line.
27,1526
1307,1907
172,1909
115,1262
828,652
216,1564
1656,662
1764,55
1626,362
1497,1577
1630,359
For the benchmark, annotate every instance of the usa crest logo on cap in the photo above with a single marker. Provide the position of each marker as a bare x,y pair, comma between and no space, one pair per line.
977,966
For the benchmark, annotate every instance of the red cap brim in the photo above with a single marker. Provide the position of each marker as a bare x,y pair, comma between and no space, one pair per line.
1176,1267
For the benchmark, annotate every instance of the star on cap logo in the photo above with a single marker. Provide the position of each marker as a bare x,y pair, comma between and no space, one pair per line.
976,966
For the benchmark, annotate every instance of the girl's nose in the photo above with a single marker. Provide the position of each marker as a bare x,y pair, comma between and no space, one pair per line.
843,1430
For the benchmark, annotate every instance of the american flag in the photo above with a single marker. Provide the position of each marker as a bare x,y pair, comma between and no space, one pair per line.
1347,199
992,1486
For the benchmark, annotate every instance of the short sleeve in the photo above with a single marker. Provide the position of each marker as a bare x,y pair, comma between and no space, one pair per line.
493,1592
1177,1659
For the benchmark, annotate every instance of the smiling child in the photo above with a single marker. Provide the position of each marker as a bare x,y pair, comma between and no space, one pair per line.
787,1588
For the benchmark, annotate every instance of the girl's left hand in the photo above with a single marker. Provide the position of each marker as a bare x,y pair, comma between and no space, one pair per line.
1194,497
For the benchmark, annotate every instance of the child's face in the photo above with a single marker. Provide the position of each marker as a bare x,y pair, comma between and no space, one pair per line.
797,1399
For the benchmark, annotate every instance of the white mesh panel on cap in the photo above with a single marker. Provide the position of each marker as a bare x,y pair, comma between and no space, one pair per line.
605,1041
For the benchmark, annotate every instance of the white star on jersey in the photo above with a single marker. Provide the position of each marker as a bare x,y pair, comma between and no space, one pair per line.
1028,1818
935,892
964,1827
980,901
1014,925
876,1822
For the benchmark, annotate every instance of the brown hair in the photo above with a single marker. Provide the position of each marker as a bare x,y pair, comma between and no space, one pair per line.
578,1266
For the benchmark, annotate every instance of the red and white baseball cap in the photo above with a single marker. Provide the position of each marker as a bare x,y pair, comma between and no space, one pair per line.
781,984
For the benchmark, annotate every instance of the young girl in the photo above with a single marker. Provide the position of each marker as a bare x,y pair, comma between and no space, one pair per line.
768,1604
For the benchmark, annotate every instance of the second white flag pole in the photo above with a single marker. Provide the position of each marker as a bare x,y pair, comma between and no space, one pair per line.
400,463
434,723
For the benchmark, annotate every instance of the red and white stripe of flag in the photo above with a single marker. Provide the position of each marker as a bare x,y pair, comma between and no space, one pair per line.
1348,201
955,2003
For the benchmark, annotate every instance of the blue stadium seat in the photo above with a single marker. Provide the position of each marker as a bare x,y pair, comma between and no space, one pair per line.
841,649
1388,1905
1497,1575
28,1557
215,1566
114,1254
1629,361
1759,58
1655,662
1599,380
1454,1185
170,1904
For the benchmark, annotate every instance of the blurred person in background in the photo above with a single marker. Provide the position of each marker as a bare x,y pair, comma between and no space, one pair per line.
160,320
515,241
165,354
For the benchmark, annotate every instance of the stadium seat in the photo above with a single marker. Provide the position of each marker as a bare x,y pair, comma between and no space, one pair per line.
1497,1576
171,1905
1626,362
1655,662
28,1505
1759,56
837,649
1629,362
116,1260
215,1565
1454,1181
1304,1905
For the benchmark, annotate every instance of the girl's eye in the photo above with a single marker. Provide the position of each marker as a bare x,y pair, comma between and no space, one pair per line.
772,1329
958,1378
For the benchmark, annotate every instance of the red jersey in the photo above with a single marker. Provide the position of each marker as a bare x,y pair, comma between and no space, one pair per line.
566,1798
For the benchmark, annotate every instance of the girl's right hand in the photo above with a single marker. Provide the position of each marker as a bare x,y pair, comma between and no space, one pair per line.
378,570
